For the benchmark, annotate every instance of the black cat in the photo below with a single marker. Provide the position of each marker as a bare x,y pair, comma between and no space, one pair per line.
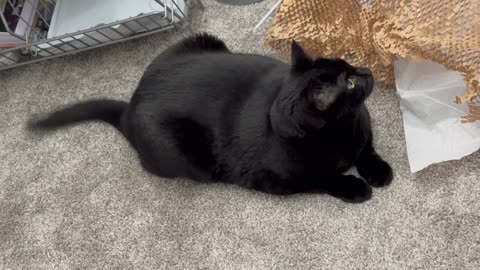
205,113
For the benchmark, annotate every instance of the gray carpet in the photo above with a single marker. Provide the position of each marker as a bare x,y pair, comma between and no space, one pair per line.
78,199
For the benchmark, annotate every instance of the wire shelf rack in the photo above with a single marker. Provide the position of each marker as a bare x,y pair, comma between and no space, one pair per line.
26,30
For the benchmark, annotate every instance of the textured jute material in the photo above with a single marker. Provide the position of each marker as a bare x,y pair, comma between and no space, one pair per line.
374,33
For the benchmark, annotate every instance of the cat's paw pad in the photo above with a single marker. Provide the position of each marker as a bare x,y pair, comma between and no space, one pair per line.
353,190
380,175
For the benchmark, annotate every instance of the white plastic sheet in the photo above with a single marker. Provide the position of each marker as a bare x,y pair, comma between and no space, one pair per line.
433,129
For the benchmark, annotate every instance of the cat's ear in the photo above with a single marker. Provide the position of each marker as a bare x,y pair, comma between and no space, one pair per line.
300,59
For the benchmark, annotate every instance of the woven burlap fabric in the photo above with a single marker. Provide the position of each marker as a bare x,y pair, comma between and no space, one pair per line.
374,33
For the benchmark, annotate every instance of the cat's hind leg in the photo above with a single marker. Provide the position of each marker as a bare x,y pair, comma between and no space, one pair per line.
168,162
178,147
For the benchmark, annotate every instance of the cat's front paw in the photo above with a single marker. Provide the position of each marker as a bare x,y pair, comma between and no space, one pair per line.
379,175
351,189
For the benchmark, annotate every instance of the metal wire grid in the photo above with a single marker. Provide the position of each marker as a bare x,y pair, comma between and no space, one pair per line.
39,48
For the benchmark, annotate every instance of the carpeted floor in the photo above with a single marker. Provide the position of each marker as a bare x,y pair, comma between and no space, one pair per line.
78,199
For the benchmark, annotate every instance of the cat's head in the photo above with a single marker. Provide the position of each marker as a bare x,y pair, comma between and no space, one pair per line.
319,91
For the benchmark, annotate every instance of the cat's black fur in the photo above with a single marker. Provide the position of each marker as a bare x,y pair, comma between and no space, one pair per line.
205,113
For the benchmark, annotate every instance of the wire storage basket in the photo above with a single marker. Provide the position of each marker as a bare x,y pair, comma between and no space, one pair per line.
37,30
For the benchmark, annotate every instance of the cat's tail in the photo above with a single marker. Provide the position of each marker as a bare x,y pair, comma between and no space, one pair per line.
109,111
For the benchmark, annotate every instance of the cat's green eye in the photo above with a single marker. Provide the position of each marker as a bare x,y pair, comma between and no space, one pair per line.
350,83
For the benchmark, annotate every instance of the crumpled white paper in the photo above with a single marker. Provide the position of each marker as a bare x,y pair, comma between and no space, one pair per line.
433,129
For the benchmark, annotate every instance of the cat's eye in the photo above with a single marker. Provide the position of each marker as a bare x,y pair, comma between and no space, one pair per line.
350,84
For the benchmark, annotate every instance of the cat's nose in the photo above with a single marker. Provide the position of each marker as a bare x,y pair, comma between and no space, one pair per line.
364,71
